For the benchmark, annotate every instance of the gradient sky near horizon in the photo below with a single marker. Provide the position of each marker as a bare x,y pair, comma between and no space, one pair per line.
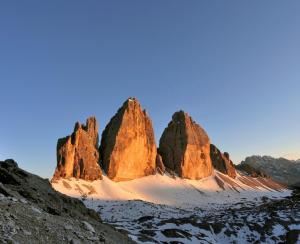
234,66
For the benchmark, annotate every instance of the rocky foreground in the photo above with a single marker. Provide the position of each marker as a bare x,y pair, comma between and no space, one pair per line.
32,212
271,221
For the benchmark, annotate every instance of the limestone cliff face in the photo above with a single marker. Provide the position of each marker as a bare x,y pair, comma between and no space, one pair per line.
77,155
222,162
128,149
185,148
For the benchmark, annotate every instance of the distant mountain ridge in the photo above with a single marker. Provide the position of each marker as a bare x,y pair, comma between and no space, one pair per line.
291,156
280,169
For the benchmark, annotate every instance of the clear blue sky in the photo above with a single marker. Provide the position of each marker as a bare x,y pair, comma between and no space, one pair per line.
233,65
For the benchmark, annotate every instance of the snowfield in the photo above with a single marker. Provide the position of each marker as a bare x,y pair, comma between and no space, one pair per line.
174,191
164,208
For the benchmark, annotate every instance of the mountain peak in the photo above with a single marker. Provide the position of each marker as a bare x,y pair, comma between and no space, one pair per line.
77,155
128,149
185,147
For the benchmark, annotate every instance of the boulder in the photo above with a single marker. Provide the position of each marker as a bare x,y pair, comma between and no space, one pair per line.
185,148
222,162
77,155
128,149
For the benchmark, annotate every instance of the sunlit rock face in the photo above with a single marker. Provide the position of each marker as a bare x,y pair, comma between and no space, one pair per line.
222,162
128,149
185,148
77,155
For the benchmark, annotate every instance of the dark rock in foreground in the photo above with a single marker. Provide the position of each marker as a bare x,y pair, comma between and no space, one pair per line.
32,212
263,220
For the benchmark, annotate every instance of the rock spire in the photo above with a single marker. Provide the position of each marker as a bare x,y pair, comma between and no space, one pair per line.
185,148
77,155
128,149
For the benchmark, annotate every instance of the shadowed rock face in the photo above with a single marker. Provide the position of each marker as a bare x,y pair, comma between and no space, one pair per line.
128,149
249,170
221,161
160,165
77,155
185,148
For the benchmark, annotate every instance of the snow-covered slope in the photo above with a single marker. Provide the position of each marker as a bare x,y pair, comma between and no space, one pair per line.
217,209
174,191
